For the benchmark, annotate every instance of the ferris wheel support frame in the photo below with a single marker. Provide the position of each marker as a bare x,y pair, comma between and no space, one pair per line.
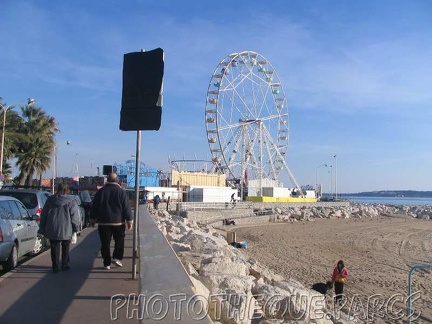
290,174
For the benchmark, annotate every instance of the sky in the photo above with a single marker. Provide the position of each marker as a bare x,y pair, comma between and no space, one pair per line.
357,77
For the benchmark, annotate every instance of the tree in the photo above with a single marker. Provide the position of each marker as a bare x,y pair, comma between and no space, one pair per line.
34,148
11,137
12,134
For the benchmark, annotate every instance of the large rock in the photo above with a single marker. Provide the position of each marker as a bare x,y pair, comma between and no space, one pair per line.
227,268
263,273
216,282
232,307
290,301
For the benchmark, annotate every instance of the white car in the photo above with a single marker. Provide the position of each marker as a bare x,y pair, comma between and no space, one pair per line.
18,232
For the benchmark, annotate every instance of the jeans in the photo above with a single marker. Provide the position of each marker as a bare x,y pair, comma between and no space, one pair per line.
55,252
339,287
106,232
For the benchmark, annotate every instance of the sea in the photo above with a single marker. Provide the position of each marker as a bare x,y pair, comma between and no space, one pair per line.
389,200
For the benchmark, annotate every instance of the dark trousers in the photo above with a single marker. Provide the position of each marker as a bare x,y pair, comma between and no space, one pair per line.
338,291
56,245
106,232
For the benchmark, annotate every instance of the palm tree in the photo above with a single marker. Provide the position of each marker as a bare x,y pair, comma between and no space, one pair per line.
12,134
7,172
11,138
34,151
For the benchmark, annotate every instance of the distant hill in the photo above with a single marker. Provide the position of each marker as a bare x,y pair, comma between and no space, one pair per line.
392,193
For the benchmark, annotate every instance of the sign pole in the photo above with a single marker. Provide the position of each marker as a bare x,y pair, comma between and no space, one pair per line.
136,209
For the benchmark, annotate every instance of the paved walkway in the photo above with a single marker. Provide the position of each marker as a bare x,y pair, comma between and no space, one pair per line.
32,293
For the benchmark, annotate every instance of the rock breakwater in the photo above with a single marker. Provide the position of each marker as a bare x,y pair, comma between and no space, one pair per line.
236,288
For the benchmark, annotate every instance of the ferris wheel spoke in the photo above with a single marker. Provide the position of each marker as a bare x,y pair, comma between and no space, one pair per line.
246,122
241,138
251,152
228,142
237,97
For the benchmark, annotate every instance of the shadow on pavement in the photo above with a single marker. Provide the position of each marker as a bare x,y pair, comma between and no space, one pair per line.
34,294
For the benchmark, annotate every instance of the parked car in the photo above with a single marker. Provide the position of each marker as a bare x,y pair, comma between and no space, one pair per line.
33,200
18,232
81,210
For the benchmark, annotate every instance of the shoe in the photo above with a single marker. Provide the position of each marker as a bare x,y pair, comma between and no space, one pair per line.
65,267
107,267
55,269
117,262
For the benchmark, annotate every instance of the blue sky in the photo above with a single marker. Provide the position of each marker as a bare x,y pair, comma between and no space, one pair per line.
357,77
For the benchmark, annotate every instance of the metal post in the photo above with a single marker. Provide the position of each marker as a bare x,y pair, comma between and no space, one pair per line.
335,156
178,198
316,178
419,266
136,210
3,136
54,168
5,109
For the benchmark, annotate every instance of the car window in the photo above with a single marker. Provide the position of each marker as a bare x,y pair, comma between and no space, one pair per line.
28,199
45,197
13,206
23,213
5,211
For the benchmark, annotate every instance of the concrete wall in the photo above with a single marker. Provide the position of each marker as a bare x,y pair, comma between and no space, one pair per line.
209,213
163,279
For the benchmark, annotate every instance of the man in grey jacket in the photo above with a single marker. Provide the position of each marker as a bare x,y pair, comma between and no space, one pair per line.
111,210
59,219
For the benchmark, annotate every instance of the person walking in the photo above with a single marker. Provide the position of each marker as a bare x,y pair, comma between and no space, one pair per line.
339,277
168,203
112,212
233,200
59,222
156,202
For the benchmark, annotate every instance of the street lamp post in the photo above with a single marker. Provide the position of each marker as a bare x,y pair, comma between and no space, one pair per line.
316,178
54,175
5,109
336,191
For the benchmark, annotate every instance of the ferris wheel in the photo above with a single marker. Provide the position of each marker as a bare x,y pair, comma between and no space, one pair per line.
246,118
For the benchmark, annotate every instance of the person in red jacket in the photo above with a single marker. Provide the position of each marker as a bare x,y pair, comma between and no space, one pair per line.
339,277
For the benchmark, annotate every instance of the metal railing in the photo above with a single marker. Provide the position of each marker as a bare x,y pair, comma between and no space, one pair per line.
414,268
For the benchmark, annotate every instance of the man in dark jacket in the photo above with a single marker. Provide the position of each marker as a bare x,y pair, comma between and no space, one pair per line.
111,210
59,219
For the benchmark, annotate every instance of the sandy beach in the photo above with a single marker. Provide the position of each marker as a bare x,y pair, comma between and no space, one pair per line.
378,252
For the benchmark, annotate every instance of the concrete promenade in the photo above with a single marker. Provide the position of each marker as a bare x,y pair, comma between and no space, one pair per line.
88,293
32,293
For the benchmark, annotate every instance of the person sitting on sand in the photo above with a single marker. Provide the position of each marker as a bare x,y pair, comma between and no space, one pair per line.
340,274
322,287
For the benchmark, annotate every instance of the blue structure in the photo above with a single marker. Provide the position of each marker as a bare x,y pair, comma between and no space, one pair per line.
148,177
